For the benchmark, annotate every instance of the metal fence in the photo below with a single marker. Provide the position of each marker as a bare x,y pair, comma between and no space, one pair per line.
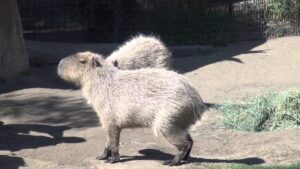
175,21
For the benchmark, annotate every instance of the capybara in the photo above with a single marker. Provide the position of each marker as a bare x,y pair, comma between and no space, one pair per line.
156,98
141,52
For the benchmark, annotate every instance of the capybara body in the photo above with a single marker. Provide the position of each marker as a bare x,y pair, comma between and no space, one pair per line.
157,98
141,52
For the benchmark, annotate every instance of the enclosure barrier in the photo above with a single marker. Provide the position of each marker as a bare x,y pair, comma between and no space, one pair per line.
216,22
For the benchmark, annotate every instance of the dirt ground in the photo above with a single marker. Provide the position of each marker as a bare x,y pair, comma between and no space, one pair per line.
49,126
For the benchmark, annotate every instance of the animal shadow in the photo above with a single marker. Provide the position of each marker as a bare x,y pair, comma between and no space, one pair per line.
11,162
16,137
153,154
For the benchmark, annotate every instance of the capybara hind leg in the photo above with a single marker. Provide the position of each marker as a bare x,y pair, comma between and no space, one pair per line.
190,147
181,140
177,160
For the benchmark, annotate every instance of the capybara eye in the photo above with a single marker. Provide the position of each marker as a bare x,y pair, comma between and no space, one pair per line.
82,61
115,63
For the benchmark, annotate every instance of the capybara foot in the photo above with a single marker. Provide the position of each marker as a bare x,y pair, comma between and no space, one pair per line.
115,157
172,162
106,154
112,160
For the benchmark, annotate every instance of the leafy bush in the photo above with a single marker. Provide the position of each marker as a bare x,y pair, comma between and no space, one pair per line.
279,9
275,111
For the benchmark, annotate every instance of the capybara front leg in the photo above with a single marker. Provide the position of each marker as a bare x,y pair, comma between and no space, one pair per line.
111,152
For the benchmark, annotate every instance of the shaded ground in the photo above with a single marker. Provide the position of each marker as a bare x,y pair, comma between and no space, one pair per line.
51,127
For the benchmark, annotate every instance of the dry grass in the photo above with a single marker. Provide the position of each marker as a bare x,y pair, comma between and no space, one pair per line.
275,111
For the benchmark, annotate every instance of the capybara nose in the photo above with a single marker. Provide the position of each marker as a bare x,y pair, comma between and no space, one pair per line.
61,63
60,67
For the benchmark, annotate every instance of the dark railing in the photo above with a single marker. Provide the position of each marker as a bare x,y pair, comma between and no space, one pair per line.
176,21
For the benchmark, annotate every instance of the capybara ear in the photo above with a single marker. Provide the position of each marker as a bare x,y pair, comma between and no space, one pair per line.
96,63
115,63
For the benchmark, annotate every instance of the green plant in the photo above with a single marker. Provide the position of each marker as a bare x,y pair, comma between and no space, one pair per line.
291,166
6,110
275,111
279,9
287,106
243,166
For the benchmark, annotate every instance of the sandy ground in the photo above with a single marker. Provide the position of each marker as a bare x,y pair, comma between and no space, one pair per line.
49,126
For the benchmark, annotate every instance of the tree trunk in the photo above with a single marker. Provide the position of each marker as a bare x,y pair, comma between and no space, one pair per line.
13,58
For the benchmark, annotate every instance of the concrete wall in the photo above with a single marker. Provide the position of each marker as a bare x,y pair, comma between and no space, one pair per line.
13,58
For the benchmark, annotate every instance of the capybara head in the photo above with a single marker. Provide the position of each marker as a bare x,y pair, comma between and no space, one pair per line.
76,67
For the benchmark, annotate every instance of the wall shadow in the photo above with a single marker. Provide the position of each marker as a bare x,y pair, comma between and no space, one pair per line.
153,154
11,162
36,77
49,108
15,137
200,59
